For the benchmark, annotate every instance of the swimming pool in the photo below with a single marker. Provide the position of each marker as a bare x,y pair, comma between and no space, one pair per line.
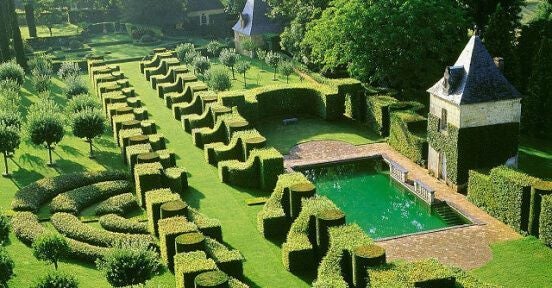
369,197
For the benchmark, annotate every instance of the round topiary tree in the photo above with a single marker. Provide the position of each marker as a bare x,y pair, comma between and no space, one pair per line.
201,64
4,228
41,82
44,125
89,124
9,141
183,50
130,263
218,79
286,68
56,279
9,95
50,248
273,59
6,267
68,69
248,46
229,57
214,47
12,71
74,86
242,67
82,102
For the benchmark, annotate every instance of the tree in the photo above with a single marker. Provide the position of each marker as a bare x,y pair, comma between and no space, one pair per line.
45,125
286,68
480,10
248,46
399,44
69,70
82,102
233,6
30,17
89,124
5,28
183,52
229,57
16,35
214,47
201,64
56,279
273,60
51,248
4,229
536,116
6,267
49,13
218,79
9,141
12,71
162,13
242,67
74,85
9,98
130,263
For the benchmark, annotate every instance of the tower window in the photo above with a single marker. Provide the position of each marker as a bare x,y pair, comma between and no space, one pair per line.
204,20
443,120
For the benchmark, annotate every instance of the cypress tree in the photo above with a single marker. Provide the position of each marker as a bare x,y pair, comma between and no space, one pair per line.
4,39
29,15
17,40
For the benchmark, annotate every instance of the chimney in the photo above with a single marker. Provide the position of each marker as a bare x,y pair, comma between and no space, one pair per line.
499,62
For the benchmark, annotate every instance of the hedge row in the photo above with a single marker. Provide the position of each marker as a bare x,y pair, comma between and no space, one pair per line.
272,220
230,261
407,135
154,199
299,251
116,223
182,105
169,229
27,229
545,221
336,268
119,204
189,265
209,226
261,170
206,119
239,147
70,226
377,116
36,194
222,130
76,200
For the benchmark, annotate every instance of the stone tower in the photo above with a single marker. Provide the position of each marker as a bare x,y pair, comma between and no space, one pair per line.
474,117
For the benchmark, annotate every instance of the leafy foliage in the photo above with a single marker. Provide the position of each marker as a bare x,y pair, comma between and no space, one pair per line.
88,124
9,96
57,279
273,60
74,85
286,68
229,57
82,102
130,263
242,67
12,71
68,69
50,248
218,79
45,124
4,228
185,52
148,12
201,64
6,267
215,47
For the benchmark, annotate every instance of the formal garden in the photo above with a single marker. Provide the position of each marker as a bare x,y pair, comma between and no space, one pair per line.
150,144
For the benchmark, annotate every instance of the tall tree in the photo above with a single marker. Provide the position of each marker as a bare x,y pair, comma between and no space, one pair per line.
401,44
30,17
480,10
229,57
5,54
17,40
536,117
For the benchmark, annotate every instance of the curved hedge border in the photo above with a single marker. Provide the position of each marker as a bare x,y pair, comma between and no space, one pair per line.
407,135
227,260
261,170
70,226
116,223
238,148
119,204
219,132
76,200
209,226
36,194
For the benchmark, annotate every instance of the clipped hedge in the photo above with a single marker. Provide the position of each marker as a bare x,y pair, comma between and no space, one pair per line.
188,265
36,194
76,200
147,176
261,170
227,260
545,221
169,229
209,226
407,135
377,116
70,226
272,220
119,204
154,199
116,223
241,143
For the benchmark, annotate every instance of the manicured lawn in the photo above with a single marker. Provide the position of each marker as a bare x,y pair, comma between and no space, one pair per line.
311,128
529,10
535,157
518,263
57,30
263,266
110,37
123,51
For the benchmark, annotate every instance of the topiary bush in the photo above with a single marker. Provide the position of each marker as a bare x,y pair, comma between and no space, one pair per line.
116,223
545,224
76,200
154,199
230,261
407,135
261,170
6,267
119,204
169,229
12,71
188,265
50,247
218,79
74,86
56,279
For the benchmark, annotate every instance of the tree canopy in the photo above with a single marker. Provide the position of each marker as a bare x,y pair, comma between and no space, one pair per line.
160,12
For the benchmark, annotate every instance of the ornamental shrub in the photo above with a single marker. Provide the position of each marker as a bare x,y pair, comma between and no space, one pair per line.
56,279
273,60
75,44
68,69
201,64
50,248
4,228
215,47
82,102
89,124
40,64
74,85
218,79
41,82
12,71
130,263
286,68
116,223
119,204
76,200
6,267
545,222
228,57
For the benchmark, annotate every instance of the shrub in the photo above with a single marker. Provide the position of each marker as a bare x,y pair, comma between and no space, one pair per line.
51,248
215,47
407,136
227,260
188,265
4,228
119,204
229,58
82,102
88,124
137,34
147,176
74,86
169,229
12,71
130,263
201,64
76,200
147,39
6,267
9,96
75,44
70,226
183,50
36,194
208,226
261,170
40,64
218,79
377,115
56,279
154,200
41,82
545,224
116,223
26,227
69,70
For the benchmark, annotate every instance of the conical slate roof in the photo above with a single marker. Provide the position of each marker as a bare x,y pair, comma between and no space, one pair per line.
254,20
474,78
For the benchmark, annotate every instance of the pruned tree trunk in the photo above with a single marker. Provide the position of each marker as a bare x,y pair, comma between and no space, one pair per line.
91,156
6,170
244,80
233,76
50,162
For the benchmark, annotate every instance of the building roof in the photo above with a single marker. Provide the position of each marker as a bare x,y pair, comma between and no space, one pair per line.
474,78
254,20
203,5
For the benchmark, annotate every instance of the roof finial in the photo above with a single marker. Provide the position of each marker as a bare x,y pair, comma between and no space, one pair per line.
476,30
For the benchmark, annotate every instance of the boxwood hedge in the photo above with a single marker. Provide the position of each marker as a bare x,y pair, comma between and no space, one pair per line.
229,261
209,226
119,204
169,229
261,170
147,176
407,135
188,265
545,224
154,200
36,194
116,223
76,200
377,116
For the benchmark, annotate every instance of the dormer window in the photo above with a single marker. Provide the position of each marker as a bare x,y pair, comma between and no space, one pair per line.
443,120
452,78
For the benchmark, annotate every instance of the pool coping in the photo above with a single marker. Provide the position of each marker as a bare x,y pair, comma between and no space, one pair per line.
320,162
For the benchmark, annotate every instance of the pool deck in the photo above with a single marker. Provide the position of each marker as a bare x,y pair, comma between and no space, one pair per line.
466,247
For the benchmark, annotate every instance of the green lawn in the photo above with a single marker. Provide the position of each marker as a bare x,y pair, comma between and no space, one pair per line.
311,128
529,10
523,263
57,30
535,157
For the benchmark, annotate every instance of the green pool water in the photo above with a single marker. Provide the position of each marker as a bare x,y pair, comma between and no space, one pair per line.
370,198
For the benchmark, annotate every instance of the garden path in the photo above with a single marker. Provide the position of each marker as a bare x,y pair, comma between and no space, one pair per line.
464,247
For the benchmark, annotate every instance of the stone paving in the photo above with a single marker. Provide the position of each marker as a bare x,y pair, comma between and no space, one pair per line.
466,247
